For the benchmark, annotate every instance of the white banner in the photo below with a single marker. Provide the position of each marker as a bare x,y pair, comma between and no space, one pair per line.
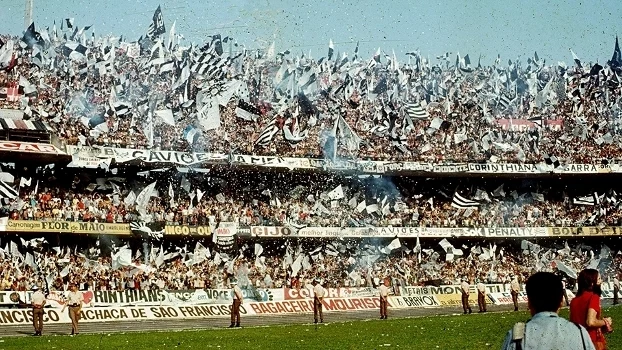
506,298
367,166
402,232
110,314
122,155
402,302
345,292
79,161
453,289
149,297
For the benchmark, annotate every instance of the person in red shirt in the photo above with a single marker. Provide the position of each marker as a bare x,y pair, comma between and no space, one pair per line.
585,307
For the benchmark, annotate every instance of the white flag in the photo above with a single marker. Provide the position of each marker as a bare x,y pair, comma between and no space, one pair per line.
372,208
220,198
171,194
361,206
30,261
297,265
23,182
335,194
395,244
199,195
258,249
160,259
122,258
143,199
200,254
446,245
167,116
130,199
217,259
65,271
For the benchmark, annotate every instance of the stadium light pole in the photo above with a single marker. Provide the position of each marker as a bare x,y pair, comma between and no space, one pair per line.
28,13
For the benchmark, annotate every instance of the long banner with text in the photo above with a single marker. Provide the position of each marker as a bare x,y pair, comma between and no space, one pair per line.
83,157
433,232
230,229
114,298
23,316
117,229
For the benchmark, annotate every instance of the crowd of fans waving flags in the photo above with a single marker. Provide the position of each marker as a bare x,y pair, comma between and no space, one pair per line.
161,92
172,95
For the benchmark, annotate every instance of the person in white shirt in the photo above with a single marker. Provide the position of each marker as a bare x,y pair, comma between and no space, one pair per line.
38,302
318,296
238,299
465,296
75,299
383,290
514,289
481,296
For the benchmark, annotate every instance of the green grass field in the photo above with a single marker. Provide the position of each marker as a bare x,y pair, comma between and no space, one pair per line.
476,331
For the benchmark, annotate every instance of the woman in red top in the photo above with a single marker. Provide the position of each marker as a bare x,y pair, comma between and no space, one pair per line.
585,307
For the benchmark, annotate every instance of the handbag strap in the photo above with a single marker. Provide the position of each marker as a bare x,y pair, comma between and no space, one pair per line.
581,332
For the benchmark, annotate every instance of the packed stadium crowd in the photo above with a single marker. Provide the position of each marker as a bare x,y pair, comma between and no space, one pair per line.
266,199
281,264
141,95
104,91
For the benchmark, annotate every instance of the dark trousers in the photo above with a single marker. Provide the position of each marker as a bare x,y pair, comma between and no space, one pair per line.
235,312
515,300
616,291
37,319
481,301
465,303
384,303
317,310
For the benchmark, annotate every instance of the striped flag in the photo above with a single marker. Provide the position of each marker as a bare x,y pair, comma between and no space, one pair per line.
504,102
121,108
9,124
416,111
247,111
463,203
267,134
7,191
592,200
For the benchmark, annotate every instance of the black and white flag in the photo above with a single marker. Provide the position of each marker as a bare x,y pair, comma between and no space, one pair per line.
7,191
154,230
156,28
75,51
267,134
592,200
460,202
247,111
416,111
552,160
